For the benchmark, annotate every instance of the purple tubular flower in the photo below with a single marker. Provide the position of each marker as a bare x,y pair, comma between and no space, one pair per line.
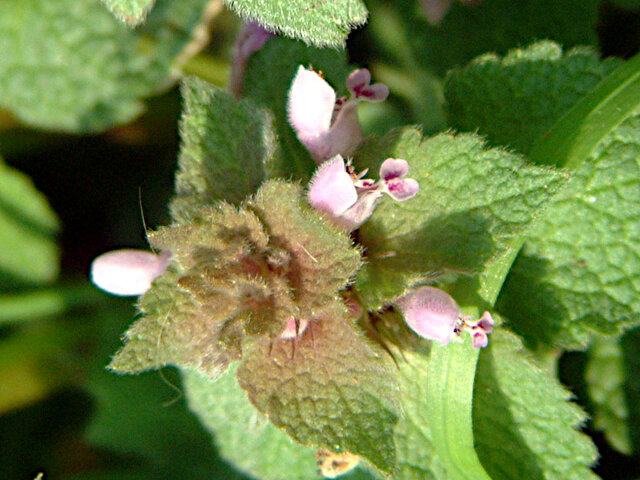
349,201
251,38
128,272
326,125
433,314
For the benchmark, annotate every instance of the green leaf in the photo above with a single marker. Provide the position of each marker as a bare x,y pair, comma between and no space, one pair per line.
244,436
524,427
578,270
605,377
131,12
630,343
323,23
84,70
329,388
472,202
28,227
225,148
496,25
268,78
514,100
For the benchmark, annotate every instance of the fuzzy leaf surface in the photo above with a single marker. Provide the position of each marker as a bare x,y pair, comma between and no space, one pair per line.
85,70
28,227
495,26
238,428
225,146
578,271
268,78
472,200
605,376
515,99
131,12
323,24
524,426
329,387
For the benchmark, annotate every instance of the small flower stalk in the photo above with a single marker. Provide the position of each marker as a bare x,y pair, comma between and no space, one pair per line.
348,200
433,314
327,125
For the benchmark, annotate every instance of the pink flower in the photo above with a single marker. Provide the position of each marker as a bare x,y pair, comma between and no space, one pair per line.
433,314
128,272
348,200
251,38
435,10
326,125
294,328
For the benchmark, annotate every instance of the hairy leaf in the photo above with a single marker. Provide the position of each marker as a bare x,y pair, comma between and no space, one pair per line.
514,100
578,271
268,78
605,377
28,250
225,148
323,23
84,70
329,387
244,436
472,200
497,25
524,427
132,12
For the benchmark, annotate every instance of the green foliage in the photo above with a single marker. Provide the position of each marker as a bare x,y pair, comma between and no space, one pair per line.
28,227
238,272
576,276
323,23
267,82
605,376
225,148
84,70
496,25
131,12
243,435
327,388
472,201
515,99
630,343
524,426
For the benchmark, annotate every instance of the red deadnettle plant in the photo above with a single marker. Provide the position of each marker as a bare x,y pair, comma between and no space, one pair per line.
367,272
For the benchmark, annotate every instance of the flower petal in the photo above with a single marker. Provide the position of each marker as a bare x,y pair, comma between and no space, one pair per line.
431,313
310,105
359,212
435,10
127,272
393,168
331,189
357,80
402,190
251,38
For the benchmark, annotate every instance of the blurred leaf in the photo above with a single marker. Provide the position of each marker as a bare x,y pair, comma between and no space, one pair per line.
28,250
630,344
268,78
496,25
225,148
472,201
324,23
514,100
523,425
605,377
328,388
132,12
79,69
